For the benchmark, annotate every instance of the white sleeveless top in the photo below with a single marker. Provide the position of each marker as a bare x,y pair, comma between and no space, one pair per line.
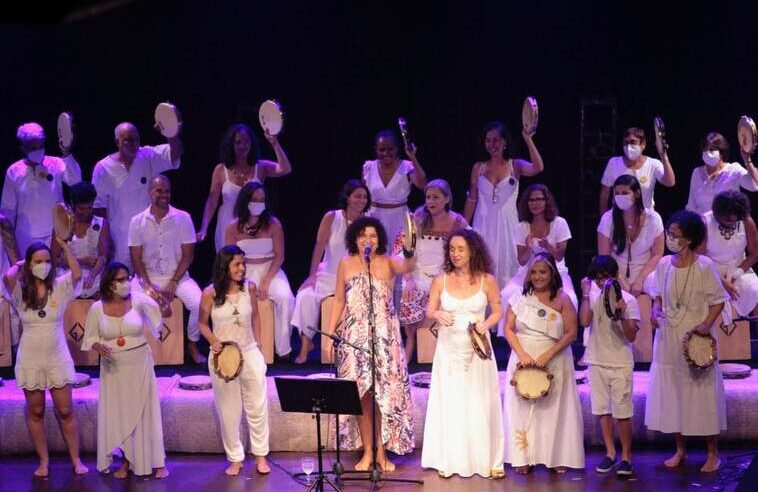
469,310
229,192
326,276
727,254
85,246
257,248
398,188
232,320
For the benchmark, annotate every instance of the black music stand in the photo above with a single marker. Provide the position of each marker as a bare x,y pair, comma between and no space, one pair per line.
317,396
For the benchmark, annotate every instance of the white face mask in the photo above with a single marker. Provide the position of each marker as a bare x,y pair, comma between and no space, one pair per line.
624,202
36,156
632,152
40,270
256,208
711,157
122,289
673,244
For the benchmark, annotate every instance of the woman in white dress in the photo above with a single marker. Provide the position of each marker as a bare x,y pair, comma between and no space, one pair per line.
540,326
717,174
322,278
632,234
389,180
647,170
128,409
240,164
541,230
687,296
230,304
731,231
91,242
463,433
434,222
43,361
261,236
491,200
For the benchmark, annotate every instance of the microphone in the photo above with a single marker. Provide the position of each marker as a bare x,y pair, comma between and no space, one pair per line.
367,253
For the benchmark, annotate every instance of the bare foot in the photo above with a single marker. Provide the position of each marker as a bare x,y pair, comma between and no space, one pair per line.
123,471
79,468
41,471
385,464
261,464
364,463
161,472
305,348
234,468
497,473
524,470
560,470
195,353
712,464
676,460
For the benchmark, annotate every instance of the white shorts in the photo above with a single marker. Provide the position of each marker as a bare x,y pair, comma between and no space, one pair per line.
611,391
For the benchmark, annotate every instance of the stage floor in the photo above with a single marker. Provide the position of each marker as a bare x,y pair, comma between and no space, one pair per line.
204,472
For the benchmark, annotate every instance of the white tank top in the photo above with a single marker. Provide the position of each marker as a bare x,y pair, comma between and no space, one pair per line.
85,246
232,320
726,253
257,248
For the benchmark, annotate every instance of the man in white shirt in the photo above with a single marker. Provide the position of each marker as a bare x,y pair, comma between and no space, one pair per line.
162,246
33,185
122,180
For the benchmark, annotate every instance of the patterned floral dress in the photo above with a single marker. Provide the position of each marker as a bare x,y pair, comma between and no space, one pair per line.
393,395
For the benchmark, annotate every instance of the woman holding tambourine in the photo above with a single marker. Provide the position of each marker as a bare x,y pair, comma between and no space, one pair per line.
240,164
230,303
464,425
128,410
389,180
688,298
541,323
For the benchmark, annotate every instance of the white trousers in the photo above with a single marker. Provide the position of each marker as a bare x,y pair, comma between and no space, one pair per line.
280,293
188,292
307,312
248,391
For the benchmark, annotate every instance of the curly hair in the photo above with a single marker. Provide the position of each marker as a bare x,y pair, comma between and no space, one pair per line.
221,280
619,231
106,279
556,282
82,192
359,225
480,261
603,266
692,226
731,202
551,208
243,213
348,189
28,284
226,150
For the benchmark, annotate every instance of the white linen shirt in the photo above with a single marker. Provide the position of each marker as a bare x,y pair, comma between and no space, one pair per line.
161,241
125,192
703,188
648,174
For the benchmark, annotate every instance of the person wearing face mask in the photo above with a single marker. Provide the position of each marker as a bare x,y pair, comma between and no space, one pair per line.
162,245
330,244
43,361
717,175
240,164
632,234
688,295
34,184
491,200
261,237
647,170
91,241
540,325
122,180
389,180
128,406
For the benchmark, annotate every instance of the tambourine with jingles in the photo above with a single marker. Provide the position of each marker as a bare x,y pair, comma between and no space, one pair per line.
699,350
747,135
661,145
409,235
155,294
611,295
735,371
63,221
271,116
198,382
65,130
403,125
530,115
421,379
480,342
167,120
227,364
81,380
531,382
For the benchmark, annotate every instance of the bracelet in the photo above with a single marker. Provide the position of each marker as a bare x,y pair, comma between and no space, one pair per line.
738,273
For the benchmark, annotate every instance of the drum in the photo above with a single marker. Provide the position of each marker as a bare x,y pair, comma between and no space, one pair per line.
531,382
747,135
409,235
735,371
81,380
699,349
155,294
530,115
611,296
65,130
63,221
271,116
659,128
227,364
421,379
167,120
198,382
480,342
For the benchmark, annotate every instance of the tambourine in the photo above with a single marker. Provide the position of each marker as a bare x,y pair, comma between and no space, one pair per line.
63,221
747,135
531,382
611,295
167,120
659,128
81,380
65,130
321,375
699,349
403,125
227,364
421,379
530,115
271,116
154,293
480,342
409,235
198,382
735,371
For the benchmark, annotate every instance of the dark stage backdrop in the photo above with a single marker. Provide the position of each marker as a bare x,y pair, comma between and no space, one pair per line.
344,70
